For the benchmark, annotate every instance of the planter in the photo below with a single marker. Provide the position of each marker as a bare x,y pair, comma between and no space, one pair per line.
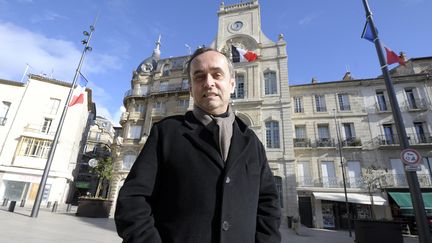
377,231
93,208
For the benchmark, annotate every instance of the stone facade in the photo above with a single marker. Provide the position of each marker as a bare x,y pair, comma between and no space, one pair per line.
32,112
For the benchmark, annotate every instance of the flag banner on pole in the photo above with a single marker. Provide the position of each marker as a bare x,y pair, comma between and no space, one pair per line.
367,33
78,93
242,55
392,57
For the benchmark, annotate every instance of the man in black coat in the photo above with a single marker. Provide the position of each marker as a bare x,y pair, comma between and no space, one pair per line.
202,177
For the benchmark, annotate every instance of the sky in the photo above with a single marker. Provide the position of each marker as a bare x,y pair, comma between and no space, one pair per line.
323,37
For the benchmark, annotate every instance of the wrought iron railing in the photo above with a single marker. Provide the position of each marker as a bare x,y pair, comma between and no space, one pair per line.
352,142
325,142
306,181
302,142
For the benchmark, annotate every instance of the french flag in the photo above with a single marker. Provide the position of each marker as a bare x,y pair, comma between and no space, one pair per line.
78,93
242,55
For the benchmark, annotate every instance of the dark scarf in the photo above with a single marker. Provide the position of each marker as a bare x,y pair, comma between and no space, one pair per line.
225,124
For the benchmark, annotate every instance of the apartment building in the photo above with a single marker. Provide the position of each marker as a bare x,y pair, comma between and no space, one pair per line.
29,115
355,114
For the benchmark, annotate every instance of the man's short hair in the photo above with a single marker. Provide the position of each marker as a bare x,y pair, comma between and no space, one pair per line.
203,50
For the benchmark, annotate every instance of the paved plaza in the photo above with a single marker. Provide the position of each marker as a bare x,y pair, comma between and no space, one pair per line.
65,227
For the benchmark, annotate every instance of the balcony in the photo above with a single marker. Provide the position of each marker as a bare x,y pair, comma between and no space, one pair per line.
330,182
420,138
37,129
399,180
158,112
306,181
325,142
415,105
302,142
386,140
351,142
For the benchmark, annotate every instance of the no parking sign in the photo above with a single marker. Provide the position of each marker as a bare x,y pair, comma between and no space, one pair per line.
411,158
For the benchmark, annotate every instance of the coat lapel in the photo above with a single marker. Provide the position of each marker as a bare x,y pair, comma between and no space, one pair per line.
200,137
238,147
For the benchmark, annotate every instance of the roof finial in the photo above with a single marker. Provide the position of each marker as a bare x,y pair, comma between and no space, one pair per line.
156,51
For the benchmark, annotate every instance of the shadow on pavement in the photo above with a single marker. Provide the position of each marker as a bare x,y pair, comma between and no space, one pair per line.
104,223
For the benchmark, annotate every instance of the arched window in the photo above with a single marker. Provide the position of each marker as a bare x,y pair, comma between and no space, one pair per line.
166,70
128,160
270,83
272,134
278,182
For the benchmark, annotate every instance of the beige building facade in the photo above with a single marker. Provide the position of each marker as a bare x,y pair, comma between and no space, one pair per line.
30,113
357,113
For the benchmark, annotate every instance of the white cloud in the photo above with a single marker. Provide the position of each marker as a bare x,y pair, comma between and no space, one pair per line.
103,111
307,19
47,16
58,57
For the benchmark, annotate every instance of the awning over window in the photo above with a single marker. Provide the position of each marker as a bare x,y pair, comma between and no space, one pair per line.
403,199
352,198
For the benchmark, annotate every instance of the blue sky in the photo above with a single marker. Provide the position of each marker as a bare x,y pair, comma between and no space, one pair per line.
323,37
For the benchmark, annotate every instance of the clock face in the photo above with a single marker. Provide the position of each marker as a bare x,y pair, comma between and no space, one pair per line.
237,25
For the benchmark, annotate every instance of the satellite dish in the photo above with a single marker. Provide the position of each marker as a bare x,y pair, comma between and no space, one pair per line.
93,163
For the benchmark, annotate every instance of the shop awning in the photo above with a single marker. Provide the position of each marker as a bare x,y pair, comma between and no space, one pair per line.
352,198
403,199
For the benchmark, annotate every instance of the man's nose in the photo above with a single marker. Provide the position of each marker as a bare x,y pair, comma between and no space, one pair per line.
209,82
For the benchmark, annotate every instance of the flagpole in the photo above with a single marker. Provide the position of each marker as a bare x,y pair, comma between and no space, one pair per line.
38,200
414,186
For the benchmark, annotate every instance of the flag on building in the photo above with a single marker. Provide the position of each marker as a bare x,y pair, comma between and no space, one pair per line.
78,92
392,57
367,33
242,55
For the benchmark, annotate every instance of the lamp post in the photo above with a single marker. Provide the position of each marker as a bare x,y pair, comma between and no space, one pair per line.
44,178
343,172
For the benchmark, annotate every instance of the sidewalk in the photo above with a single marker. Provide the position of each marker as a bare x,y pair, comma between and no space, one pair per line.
65,227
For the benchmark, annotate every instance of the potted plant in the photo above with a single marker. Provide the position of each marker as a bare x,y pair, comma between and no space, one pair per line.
97,206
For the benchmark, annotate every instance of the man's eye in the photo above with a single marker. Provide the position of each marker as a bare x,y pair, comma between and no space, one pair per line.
217,76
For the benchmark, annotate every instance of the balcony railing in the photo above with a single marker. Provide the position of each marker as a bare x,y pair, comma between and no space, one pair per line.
355,182
325,142
302,142
298,109
330,182
345,107
352,142
306,181
420,138
386,140
321,108
399,180
415,104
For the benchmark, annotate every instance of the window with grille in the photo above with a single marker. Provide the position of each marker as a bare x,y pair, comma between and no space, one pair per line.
344,103
46,125
298,104
239,89
270,83
278,182
34,147
320,104
272,134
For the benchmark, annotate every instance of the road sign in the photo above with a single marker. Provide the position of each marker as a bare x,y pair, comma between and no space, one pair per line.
410,157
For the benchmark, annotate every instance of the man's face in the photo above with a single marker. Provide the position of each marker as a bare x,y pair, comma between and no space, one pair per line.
211,82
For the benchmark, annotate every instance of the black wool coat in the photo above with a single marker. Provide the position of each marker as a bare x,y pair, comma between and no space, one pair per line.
180,190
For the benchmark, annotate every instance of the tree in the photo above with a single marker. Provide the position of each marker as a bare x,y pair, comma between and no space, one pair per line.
104,170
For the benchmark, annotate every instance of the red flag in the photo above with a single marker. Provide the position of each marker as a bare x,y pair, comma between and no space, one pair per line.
392,57
78,93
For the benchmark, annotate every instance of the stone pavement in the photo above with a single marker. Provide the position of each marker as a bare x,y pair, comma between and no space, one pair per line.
67,228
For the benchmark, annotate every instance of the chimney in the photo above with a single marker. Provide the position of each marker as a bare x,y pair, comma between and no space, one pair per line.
403,56
347,76
314,80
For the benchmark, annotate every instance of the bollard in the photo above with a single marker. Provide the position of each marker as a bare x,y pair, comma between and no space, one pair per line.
68,208
54,208
5,202
48,204
22,204
12,206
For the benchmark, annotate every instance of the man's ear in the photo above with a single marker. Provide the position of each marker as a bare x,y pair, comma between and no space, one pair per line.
233,84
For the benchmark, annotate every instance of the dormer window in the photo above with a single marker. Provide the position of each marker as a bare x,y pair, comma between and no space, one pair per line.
166,70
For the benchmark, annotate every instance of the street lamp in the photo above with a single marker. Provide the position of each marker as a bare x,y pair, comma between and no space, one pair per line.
343,172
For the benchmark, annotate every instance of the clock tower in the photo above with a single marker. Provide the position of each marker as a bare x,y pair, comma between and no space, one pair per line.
261,98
